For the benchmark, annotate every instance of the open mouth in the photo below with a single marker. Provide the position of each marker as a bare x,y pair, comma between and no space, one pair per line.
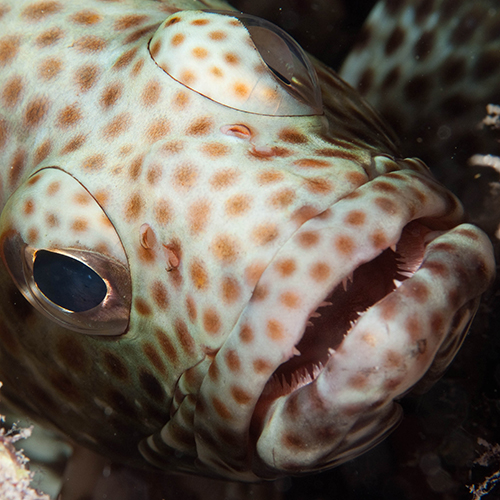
335,316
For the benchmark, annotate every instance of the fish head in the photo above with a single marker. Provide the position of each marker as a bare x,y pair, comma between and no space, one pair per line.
227,269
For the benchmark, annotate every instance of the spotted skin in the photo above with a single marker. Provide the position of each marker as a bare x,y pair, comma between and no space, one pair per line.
276,273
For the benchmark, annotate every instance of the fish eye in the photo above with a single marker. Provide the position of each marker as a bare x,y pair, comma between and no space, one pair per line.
67,282
238,60
77,278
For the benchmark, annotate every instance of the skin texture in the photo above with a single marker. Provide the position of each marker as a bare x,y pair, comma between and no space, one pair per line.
221,224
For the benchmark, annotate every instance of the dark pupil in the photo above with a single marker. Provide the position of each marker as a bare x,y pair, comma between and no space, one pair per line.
68,282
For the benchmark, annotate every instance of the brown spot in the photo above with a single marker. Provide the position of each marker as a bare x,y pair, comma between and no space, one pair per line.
177,39
211,321
260,293
69,116
308,239
199,127
417,291
136,167
151,385
125,59
86,77
33,235
292,136
213,371
344,245
16,167
36,111
318,185
221,408
275,330
129,21
253,272
293,441
319,271
384,187
418,89
198,216
379,240
237,205
180,100
232,360
86,17
117,126
184,338
261,366
387,205
94,162
142,307
76,143
424,45
72,353
154,357
223,178
4,133
154,174
358,381
140,33
115,365
365,81
157,130
163,212
151,93
200,52
49,37
391,79
49,68
90,44
65,386
215,149
185,176
39,10
241,396
225,248
264,234
395,40
290,299
246,334
167,346
42,151
9,48
12,91
199,275
217,35
191,309
79,225
53,188
414,327
286,267
283,198
230,290
355,218
436,268
134,207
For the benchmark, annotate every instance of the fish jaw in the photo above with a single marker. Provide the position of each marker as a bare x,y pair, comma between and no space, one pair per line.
308,377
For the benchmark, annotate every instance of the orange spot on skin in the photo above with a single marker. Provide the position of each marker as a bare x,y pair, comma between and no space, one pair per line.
275,330
200,52
29,207
90,44
312,163
79,225
69,116
221,408
151,93
40,10
36,111
211,321
237,205
355,218
344,245
223,179
282,199
232,360
241,90
177,39
12,92
199,275
86,17
86,77
198,216
225,248
142,307
286,267
386,205
163,212
53,188
217,35
246,334
290,300
292,136
318,185
320,271
261,366
240,396
215,149
49,68
265,233
308,239
200,127
185,176
129,21
200,22
253,273
260,293
134,207
230,290
180,100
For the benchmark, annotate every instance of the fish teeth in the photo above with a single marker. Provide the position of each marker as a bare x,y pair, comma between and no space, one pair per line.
397,283
348,279
324,304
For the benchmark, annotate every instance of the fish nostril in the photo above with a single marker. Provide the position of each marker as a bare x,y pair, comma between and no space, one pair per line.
237,130
148,237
